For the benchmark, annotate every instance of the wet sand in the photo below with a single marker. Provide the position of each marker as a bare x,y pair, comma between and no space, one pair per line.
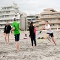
43,51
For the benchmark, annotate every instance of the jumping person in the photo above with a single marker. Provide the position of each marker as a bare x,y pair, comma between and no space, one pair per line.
32,33
16,29
49,31
7,29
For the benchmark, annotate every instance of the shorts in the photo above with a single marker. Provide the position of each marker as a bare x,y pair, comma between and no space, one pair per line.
17,37
51,34
7,32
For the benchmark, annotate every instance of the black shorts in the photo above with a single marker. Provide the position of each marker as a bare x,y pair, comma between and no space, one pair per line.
17,37
7,32
51,34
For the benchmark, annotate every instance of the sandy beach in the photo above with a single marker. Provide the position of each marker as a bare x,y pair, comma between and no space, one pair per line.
43,51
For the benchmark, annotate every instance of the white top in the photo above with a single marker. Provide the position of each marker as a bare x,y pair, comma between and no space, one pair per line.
48,28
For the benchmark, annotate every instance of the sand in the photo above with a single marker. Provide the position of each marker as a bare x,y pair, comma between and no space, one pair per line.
43,51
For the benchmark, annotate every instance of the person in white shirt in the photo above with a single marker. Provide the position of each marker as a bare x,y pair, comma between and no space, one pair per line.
49,31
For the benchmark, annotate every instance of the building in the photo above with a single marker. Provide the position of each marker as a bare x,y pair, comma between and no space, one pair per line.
31,18
23,21
8,13
50,15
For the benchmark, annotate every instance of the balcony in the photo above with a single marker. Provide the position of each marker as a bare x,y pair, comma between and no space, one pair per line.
12,13
48,17
55,27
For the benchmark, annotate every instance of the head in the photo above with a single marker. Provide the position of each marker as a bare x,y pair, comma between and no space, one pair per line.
46,23
14,19
31,24
7,23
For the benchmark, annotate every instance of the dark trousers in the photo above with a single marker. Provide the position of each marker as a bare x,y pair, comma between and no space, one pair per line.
33,40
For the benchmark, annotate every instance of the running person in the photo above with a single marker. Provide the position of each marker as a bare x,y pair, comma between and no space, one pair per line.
16,29
49,31
32,34
7,29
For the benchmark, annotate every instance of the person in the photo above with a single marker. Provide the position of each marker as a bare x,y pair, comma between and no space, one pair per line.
25,36
7,29
16,29
32,33
49,31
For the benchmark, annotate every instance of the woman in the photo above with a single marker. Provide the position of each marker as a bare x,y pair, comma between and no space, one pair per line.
7,29
32,35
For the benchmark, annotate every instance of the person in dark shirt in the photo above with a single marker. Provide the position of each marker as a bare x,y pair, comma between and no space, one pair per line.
32,34
7,29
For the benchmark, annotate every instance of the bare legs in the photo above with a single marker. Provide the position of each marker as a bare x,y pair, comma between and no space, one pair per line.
48,37
52,39
6,36
17,45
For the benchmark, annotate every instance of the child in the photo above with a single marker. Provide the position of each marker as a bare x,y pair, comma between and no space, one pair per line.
7,29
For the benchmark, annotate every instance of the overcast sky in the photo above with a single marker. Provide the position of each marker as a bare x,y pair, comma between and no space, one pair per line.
33,6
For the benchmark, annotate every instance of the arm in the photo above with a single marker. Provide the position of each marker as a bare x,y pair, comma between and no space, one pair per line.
19,26
29,32
47,29
12,28
4,29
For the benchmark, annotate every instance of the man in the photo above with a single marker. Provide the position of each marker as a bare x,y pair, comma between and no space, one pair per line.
32,33
49,31
16,29
7,29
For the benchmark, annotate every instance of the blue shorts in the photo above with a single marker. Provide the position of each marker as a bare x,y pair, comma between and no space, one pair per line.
17,37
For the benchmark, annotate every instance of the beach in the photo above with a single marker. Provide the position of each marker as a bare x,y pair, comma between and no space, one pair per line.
44,50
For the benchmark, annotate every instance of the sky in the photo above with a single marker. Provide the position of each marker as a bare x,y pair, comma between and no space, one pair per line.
32,6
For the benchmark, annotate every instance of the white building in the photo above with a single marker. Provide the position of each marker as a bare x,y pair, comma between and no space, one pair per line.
9,13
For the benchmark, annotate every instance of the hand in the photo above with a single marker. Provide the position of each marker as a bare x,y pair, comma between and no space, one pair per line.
11,31
43,28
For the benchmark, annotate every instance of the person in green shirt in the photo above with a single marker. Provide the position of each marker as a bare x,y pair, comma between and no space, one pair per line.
16,29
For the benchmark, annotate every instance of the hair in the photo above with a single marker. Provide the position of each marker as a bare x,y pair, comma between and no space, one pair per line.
31,23
14,19
6,20
47,21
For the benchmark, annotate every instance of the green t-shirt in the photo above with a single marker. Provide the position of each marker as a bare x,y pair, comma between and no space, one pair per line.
15,25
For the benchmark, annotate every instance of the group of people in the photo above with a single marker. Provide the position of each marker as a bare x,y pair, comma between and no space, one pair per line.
14,27
32,30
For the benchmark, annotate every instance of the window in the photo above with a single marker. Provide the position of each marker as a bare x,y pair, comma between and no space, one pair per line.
7,11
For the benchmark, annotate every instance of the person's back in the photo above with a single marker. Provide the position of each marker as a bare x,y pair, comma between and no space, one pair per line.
31,29
15,25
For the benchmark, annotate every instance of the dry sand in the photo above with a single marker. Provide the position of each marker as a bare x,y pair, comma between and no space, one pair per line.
43,51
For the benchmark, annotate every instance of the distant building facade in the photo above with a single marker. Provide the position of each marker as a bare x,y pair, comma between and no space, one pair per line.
50,15
31,18
8,13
